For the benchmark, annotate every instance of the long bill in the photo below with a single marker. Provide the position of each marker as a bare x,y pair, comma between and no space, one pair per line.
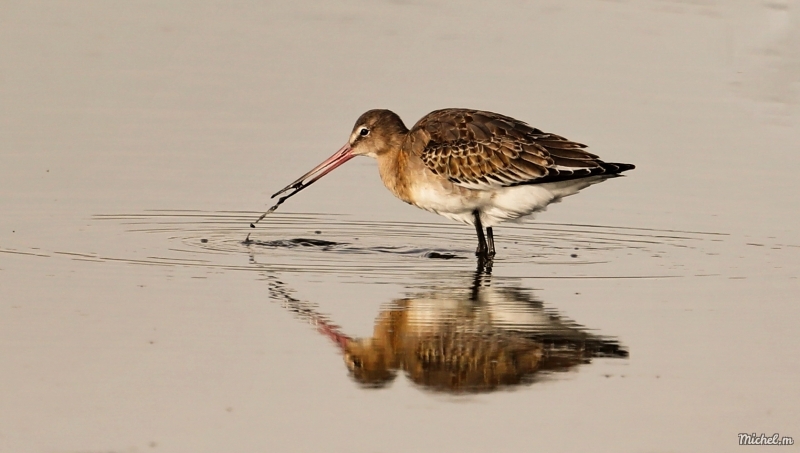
339,157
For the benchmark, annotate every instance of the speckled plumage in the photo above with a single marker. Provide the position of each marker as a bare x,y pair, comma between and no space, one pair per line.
484,150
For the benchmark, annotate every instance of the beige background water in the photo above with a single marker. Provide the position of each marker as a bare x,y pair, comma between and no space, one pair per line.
129,131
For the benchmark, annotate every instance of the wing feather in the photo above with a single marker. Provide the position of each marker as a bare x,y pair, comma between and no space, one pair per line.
485,150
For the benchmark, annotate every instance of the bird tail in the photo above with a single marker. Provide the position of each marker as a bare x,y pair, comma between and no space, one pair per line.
615,168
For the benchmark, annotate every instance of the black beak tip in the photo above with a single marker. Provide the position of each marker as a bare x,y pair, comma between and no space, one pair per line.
252,226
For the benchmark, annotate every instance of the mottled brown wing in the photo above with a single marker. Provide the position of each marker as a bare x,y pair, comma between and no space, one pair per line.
484,150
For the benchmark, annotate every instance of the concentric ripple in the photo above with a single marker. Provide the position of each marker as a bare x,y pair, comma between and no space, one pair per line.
331,243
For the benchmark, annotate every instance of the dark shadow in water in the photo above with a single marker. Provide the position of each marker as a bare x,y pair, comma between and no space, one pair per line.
344,247
291,243
471,339
442,256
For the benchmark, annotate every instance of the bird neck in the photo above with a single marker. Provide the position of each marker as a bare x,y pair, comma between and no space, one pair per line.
393,166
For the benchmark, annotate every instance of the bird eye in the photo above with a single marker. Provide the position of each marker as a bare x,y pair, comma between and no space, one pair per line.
364,132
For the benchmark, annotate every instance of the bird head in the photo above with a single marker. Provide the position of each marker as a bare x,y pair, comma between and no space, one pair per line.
376,132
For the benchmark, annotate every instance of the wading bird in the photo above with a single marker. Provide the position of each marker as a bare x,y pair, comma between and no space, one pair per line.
476,167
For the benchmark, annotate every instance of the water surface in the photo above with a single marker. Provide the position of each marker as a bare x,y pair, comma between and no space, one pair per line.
654,312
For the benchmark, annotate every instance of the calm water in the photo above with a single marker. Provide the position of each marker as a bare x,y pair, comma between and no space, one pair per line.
655,312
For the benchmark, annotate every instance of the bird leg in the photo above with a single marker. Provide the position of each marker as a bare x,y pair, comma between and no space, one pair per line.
490,240
483,249
483,277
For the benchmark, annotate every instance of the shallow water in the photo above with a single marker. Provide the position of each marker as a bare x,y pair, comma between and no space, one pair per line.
654,312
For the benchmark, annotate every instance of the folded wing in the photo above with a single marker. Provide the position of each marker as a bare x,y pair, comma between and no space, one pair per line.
484,150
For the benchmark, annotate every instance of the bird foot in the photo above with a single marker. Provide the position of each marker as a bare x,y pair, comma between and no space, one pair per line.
485,262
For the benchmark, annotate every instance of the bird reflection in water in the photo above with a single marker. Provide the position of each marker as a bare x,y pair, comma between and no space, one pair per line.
478,338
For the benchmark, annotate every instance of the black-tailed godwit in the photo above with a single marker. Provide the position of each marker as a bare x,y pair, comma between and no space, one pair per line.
476,167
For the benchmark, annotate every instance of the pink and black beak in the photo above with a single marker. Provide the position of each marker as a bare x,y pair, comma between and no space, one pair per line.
330,164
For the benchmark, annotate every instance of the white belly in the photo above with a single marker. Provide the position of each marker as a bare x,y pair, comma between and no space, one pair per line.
495,205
